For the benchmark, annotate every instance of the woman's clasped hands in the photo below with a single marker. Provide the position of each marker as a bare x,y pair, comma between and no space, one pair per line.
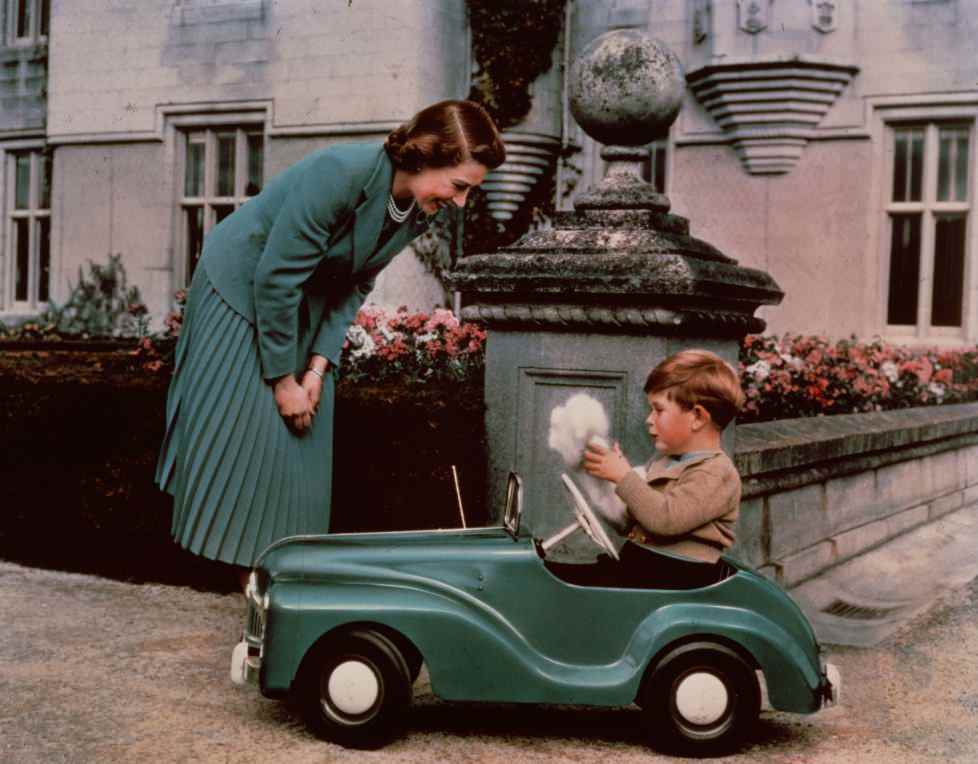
298,401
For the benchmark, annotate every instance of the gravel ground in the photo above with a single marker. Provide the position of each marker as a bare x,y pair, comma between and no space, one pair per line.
93,670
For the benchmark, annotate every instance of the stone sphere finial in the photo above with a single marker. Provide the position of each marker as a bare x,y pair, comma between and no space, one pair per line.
626,88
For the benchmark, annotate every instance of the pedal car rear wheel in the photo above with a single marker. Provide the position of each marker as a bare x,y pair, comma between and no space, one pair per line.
354,688
702,699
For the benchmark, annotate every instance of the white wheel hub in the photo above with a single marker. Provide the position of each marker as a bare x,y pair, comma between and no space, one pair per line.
353,687
701,698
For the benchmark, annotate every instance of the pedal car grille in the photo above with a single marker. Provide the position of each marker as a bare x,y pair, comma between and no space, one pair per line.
255,624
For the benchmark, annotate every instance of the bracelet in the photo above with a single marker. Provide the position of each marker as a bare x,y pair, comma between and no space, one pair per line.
317,372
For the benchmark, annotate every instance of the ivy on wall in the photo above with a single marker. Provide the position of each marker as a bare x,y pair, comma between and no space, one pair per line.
512,44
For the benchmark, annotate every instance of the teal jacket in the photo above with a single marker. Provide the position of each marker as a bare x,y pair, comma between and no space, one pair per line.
298,260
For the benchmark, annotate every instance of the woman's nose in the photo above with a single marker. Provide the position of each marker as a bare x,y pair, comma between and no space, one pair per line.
459,199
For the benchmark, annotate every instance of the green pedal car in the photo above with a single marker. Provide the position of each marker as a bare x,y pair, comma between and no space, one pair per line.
344,623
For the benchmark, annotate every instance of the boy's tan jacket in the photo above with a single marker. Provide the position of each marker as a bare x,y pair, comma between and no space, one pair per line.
688,508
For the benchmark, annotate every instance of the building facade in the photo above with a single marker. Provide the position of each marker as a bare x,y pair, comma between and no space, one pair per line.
829,142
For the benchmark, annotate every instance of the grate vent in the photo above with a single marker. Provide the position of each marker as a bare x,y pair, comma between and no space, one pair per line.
844,609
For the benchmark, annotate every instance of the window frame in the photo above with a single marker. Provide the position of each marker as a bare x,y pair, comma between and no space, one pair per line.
181,127
33,305
36,34
891,116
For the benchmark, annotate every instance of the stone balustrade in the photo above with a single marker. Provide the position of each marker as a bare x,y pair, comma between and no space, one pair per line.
818,492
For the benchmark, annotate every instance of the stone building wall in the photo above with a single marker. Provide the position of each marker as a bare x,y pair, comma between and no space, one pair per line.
820,228
127,77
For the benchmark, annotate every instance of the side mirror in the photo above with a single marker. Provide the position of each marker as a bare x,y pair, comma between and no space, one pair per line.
514,505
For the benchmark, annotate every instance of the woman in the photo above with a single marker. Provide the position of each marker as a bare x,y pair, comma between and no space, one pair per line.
248,449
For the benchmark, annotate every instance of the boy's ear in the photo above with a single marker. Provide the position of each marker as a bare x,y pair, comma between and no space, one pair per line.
701,418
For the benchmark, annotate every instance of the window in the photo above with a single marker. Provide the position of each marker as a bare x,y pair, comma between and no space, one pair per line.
28,230
28,21
222,169
928,214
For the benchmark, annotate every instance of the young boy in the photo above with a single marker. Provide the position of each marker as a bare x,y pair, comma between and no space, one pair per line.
684,513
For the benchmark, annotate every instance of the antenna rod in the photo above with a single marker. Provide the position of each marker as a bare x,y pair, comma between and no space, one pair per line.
458,495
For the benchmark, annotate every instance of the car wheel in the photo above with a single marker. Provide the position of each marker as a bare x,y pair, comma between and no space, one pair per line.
701,699
354,689
414,661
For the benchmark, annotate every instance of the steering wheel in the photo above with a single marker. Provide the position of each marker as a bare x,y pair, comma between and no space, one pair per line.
586,518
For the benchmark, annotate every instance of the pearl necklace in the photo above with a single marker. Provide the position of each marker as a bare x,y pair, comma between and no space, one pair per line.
398,216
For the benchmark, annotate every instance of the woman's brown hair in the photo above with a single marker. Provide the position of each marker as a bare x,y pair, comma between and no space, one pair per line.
446,134
699,378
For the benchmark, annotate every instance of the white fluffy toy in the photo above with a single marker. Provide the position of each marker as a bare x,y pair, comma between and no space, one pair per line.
581,419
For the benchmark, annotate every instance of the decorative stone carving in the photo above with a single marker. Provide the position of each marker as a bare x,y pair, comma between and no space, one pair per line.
753,15
621,260
529,157
607,291
824,15
770,108
625,88
592,318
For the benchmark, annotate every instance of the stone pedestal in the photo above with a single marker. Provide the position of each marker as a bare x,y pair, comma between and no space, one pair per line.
593,303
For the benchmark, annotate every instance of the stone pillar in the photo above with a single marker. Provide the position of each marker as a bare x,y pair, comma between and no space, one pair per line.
593,303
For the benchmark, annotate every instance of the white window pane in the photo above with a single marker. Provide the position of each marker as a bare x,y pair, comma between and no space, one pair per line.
44,259
961,166
22,193
908,164
45,166
225,164
195,237
904,269
22,20
221,211
944,166
23,259
194,174
952,164
949,238
256,163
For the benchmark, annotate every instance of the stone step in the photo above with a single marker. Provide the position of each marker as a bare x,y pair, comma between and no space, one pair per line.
868,598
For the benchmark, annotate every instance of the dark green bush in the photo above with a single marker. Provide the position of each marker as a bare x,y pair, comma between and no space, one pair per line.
79,436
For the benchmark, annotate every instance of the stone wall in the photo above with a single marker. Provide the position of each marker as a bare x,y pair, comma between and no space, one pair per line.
124,72
818,492
117,62
823,218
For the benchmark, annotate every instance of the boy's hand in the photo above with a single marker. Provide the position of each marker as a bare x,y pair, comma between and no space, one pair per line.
606,463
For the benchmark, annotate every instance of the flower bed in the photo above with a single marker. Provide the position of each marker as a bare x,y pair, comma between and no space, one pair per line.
800,376
783,377
412,347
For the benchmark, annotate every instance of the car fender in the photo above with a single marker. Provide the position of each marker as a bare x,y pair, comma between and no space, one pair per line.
792,674
459,636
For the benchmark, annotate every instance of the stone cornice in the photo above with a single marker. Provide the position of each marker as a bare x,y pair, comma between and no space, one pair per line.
769,108
529,158
622,319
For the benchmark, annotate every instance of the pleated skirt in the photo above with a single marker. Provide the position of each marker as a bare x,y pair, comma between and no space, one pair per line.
240,479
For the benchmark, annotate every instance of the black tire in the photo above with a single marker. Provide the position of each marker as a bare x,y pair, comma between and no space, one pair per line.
414,662
354,688
701,700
